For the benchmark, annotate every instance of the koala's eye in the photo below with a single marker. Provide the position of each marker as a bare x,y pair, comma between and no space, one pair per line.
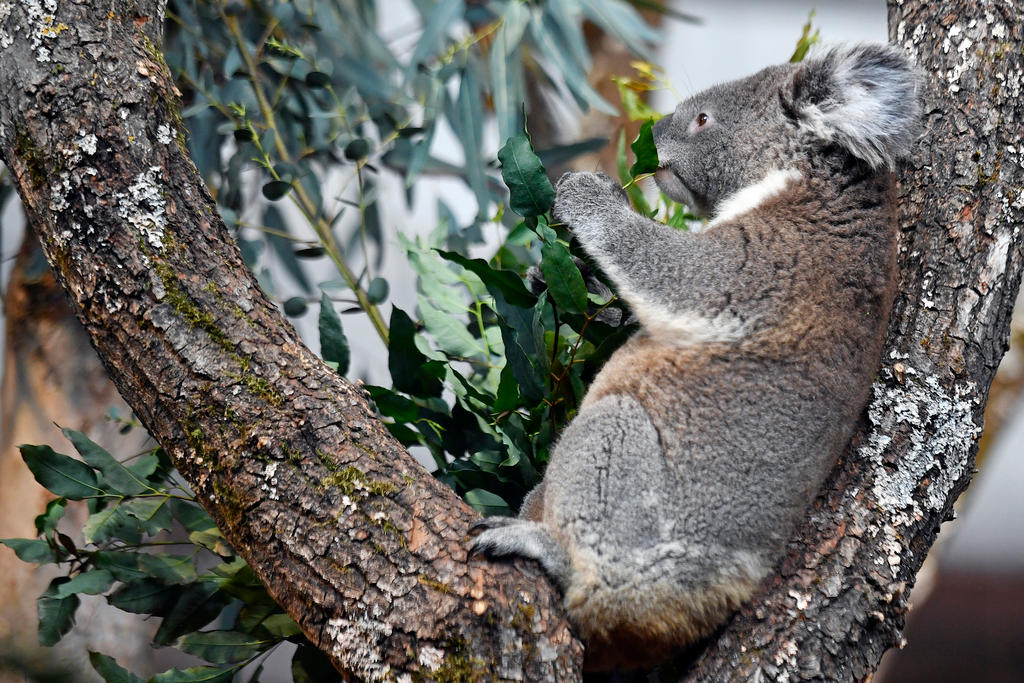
702,119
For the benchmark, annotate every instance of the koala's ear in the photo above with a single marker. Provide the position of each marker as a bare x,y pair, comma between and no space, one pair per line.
863,97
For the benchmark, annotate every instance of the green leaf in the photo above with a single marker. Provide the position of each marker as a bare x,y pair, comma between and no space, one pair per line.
645,151
91,582
623,22
212,540
317,79
191,515
276,189
168,568
195,674
487,503
56,615
145,466
548,37
563,278
530,190
47,522
636,195
333,344
153,514
806,40
295,306
31,550
281,626
104,523
60,474
110,670
195,606
449,332
632,103
377,290
442,17
468,122
146,596
506,68
119,478
411,371
220,647
284,247
508,282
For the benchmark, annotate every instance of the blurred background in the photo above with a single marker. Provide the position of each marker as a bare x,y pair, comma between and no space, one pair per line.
967,621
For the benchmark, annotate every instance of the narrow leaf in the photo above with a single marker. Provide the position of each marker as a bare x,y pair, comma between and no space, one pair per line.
110,670
120,478
220,647
563,278
333,343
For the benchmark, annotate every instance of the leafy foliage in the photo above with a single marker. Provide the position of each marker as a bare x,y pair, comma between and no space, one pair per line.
139,510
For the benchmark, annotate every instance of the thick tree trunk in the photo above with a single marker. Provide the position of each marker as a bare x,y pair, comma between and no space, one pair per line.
839,600
362,547
358,543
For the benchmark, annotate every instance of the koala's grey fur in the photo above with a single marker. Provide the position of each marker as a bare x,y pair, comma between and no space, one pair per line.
703,440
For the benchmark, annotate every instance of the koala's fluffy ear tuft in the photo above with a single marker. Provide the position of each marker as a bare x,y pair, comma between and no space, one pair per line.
864,97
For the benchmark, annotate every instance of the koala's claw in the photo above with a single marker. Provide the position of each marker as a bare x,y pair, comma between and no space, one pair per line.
485,523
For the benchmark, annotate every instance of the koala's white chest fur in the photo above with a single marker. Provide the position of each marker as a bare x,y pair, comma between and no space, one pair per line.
695,326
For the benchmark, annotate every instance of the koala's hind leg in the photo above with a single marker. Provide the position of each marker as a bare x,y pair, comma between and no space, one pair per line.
510,537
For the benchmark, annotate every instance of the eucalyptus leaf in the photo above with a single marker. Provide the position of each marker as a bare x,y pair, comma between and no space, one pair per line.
411,371
189,609
91,582
220,647
563,278
31,550
645,151
530,190
60,474
118,477
56,615
333,343
110,670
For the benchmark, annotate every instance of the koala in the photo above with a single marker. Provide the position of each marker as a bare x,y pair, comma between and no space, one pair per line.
703,440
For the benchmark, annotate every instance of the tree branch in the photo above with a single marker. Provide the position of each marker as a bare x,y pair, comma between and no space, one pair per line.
840,597
359,544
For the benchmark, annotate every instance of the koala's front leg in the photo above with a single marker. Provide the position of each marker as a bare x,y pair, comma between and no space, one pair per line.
642,256
593,205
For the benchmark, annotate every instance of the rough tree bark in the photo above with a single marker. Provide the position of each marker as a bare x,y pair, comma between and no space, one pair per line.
840,597
358,543
362,547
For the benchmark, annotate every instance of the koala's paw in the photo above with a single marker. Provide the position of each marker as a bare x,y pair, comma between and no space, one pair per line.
587,201
513,537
